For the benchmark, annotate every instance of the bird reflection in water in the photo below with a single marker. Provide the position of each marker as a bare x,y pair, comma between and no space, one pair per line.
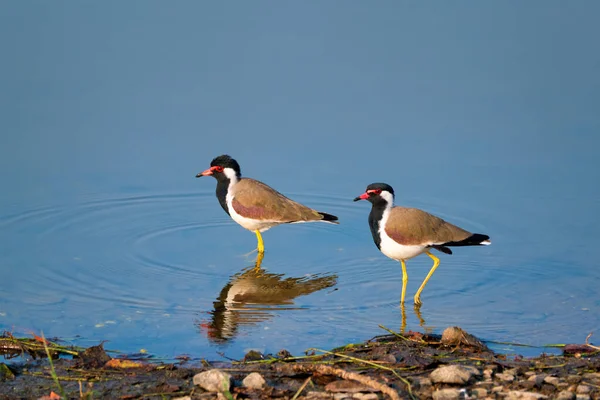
417,310
254,295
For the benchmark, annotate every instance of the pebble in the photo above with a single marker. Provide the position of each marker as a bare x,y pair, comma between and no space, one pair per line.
519,395
182,398
420,382
565,395
487,374
552,380
213,380
583,389
254,381
505,377
583,397
456,374
537,379
446,394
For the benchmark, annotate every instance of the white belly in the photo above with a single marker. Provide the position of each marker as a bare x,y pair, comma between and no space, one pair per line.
248,223
397,251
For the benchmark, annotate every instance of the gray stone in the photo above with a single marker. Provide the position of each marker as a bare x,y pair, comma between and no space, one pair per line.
254,381
583,397
505,377
512,371
446,394
420,382
537,379
565,395
456,374
583,389
592,375
519,395
213,380
552,380
497,389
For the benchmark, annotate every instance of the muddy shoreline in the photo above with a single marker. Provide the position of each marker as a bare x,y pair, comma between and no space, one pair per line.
419,366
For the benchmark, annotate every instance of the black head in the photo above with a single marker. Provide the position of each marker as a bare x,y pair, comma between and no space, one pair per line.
221,167
377,193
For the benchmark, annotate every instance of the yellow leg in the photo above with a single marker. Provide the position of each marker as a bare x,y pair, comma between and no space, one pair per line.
404,281
261,245
436,262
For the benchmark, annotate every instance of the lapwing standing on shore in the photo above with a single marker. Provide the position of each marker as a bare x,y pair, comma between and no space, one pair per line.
403,233
254,205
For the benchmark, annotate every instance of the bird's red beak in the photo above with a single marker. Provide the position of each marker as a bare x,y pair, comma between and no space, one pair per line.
363,196
205,173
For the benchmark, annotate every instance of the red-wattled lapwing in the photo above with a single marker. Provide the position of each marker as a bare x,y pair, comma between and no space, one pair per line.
403,233
254,205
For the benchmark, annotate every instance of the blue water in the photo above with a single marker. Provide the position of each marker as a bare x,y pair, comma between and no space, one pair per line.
483,114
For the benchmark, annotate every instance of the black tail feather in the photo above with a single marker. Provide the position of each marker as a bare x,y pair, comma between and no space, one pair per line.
442,249
473,240
329,218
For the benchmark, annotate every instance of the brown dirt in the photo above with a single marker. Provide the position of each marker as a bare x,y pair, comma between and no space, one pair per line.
391,366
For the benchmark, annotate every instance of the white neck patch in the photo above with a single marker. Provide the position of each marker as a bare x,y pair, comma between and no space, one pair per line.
230,173
388,197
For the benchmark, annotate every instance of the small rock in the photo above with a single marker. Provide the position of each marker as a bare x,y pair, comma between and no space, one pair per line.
537,379
389,358
182,398
529,373
419,382
519,395
497,389
254,381
583,389
456,374
347,387
213,380
592,375
573,378
505,377
512,371
253,355
487,374
283,353
446,394
552,380
583,397
455,336
565,395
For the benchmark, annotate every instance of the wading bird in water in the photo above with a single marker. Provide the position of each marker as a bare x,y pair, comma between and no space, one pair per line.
254,205
402,233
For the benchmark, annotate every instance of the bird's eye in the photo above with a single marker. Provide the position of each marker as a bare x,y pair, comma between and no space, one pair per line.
218,168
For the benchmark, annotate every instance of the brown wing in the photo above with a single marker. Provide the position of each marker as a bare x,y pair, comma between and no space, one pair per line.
254,199
411,226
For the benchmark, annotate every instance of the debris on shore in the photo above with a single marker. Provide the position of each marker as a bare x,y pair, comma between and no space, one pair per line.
455,365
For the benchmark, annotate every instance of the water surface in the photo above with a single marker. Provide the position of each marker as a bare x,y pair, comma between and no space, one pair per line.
483,115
